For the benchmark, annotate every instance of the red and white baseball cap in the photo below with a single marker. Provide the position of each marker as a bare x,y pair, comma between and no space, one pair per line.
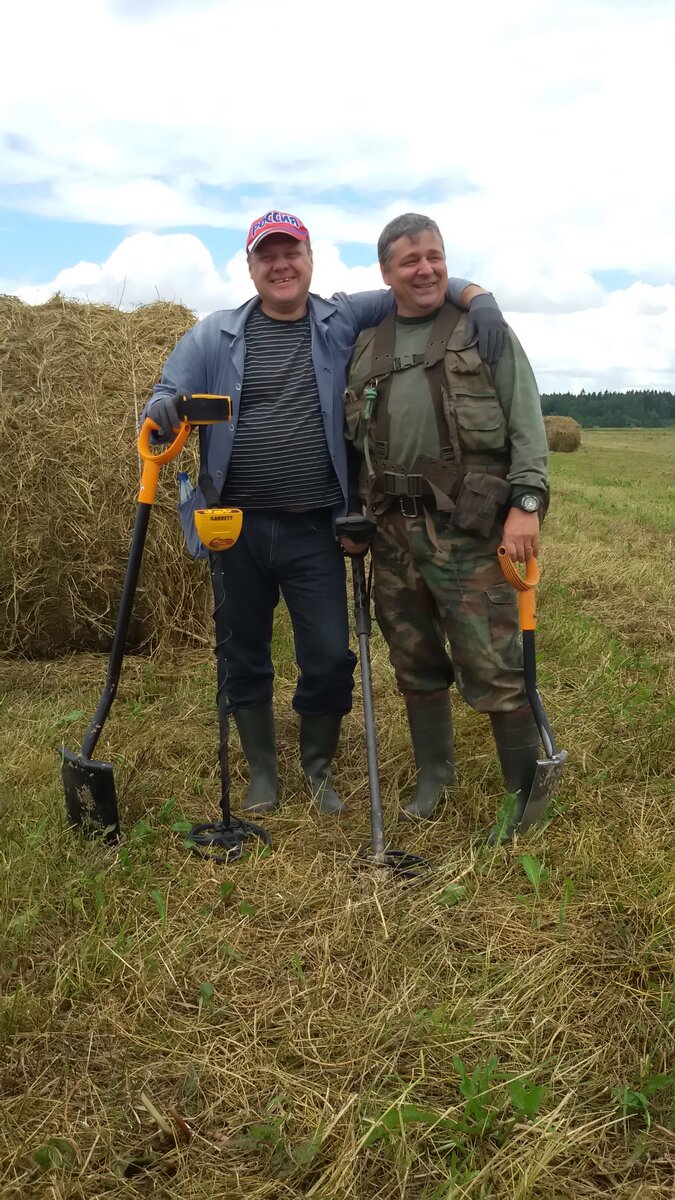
275,222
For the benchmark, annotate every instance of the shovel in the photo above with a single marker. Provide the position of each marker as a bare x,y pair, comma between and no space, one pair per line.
91,801
549,769
378,854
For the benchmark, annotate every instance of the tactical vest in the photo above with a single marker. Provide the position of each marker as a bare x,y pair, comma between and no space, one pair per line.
469,478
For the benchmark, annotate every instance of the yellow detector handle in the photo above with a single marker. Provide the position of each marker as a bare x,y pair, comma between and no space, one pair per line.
524,586
195,408
153,461
218,528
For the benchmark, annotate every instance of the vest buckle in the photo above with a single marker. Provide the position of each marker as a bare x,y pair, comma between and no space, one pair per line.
411,506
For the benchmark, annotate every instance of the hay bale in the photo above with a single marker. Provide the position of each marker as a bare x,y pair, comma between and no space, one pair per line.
73,379
562,433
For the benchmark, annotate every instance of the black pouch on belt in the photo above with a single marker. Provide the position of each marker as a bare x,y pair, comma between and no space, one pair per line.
480,503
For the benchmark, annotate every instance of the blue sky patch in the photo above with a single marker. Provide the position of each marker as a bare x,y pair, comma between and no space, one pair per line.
614,279
34,249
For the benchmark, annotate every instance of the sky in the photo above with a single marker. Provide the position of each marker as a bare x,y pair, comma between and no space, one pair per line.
139,139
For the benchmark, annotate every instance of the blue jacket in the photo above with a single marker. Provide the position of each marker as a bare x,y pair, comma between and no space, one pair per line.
211,357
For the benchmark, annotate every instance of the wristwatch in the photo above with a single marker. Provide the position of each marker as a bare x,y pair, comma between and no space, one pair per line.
528,503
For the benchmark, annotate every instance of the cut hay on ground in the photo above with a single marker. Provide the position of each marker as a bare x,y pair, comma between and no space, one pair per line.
73,380
285,1029
562,433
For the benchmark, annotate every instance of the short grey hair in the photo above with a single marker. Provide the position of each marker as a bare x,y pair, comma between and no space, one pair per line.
409,225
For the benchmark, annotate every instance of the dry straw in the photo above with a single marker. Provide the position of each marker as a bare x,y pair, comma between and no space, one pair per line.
562,433
73,380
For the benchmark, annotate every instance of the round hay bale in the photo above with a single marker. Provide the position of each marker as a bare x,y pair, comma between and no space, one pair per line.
73,380
562,433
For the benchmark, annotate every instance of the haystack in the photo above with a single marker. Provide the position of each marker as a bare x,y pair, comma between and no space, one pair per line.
73,380
562,433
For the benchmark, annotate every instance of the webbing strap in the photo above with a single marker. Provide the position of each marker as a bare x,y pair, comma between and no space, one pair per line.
442,330
383,369
383,346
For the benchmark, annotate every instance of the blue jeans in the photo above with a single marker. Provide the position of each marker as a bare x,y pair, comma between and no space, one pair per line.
295,555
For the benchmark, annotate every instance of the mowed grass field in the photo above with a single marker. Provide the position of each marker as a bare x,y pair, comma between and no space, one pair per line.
285,1027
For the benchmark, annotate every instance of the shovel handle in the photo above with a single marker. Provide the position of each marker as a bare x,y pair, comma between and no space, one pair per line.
523,584
513,576
153,461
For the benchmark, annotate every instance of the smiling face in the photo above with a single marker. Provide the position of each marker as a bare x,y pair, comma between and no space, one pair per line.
417,273
281,270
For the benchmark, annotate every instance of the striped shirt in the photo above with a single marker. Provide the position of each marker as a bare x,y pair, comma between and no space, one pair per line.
280,456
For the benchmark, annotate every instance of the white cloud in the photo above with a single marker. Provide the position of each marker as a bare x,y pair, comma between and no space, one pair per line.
536,133
179,268
624,339
148,266
629,341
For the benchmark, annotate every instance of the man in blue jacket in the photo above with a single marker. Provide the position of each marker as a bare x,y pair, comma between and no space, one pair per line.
283,358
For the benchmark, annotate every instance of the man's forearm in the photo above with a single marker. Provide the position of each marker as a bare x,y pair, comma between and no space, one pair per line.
461,291
486,325
519,398
470,292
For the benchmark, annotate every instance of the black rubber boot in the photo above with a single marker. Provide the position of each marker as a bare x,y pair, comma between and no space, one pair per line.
430,724
319,736
258,741
518,746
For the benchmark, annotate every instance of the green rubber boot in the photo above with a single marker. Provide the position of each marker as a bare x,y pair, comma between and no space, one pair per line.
430,724
258,741
518,746
319,736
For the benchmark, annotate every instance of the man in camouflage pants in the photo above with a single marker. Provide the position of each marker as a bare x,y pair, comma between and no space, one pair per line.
449,458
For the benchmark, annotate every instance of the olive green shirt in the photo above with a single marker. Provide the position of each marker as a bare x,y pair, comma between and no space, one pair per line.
413,429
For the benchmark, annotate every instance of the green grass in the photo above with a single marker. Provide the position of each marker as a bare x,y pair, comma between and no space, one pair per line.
287,1028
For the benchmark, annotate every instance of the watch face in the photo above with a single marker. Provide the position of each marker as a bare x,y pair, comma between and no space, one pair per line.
529,503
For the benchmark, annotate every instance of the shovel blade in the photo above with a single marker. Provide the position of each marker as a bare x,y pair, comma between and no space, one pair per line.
91,803
544,787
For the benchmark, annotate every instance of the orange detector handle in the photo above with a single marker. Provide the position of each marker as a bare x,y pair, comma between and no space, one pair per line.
524,586
153,461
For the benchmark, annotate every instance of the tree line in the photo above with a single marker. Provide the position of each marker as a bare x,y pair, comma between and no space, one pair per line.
643,408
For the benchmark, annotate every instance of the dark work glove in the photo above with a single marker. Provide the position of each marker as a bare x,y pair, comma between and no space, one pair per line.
488,325
163,412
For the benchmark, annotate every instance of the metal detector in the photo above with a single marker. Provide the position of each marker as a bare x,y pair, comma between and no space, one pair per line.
378,854
223,841
549,770
89,785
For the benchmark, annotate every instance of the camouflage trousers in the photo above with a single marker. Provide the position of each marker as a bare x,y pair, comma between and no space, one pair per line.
447,589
